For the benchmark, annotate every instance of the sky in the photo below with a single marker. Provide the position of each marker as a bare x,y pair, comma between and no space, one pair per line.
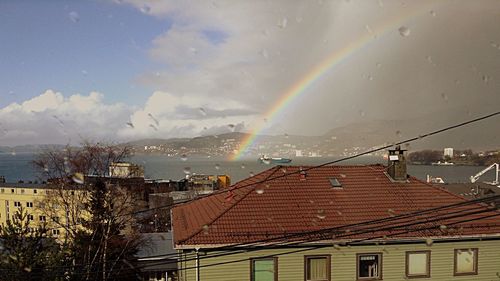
122,70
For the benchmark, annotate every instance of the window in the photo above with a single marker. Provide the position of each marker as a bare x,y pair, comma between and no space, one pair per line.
30,217
465,261
12,191
29,204
22,191
264,269
418,264
55,219
2,190
42,218
317,268
369,266
34,191
17,204
55,232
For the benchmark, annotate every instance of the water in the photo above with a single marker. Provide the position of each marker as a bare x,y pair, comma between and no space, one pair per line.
18,167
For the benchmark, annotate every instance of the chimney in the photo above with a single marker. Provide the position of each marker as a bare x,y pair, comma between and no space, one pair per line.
397,164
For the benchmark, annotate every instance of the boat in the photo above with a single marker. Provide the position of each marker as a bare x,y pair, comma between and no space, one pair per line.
274,160
445,163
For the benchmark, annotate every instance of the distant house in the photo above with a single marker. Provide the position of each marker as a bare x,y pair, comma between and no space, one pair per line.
369,222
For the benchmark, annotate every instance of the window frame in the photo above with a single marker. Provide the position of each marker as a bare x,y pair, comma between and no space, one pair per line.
407,264
381,258
275,261
328,264
476,261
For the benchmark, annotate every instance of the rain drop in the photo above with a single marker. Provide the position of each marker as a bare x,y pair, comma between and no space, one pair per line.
444,97
283,23
404,31
433,13
486,79
362,113
380,3
217,166
399,134
205,229
443,227
264,53
78,178
243,166
187,170
321,214
259,190
202,111
429,241
391,212
378,65
74,16
146,9
184,157
266,161
231,127
130,124
251,174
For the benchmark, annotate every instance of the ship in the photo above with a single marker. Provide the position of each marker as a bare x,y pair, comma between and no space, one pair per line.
445,163
274,160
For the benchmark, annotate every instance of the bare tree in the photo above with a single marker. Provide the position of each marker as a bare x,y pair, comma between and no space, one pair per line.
95,214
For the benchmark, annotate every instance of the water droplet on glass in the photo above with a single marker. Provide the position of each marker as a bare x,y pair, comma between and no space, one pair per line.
433,13
130,124
187,170
243,166
378,65
443,227
74,16
444,96
299,19
251,174
153,127
370,77
184,157
286,135
283,23
369,29
494,45
264,53
202,111
78,178
391,212
266,161
429,241
321,214
205,229
217,166
231,127
399,134
193,50
362,113
404,31
486,79
84,72
259,190
380,3
146,9
13,153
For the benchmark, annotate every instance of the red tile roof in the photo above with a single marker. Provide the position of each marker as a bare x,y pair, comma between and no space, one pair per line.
249,212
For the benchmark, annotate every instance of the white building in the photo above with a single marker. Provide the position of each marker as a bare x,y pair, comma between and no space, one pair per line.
448,152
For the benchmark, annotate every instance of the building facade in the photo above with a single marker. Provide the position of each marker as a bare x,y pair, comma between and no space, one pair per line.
369,222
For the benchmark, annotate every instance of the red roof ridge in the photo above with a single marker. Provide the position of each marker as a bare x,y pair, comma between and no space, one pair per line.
235,202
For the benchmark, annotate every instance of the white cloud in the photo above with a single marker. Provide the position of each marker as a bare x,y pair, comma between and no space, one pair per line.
167,115
53,118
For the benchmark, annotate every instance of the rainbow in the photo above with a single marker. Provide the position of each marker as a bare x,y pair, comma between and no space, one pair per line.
316,73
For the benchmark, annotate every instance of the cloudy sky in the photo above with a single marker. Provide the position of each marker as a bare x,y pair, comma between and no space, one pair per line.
128,69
